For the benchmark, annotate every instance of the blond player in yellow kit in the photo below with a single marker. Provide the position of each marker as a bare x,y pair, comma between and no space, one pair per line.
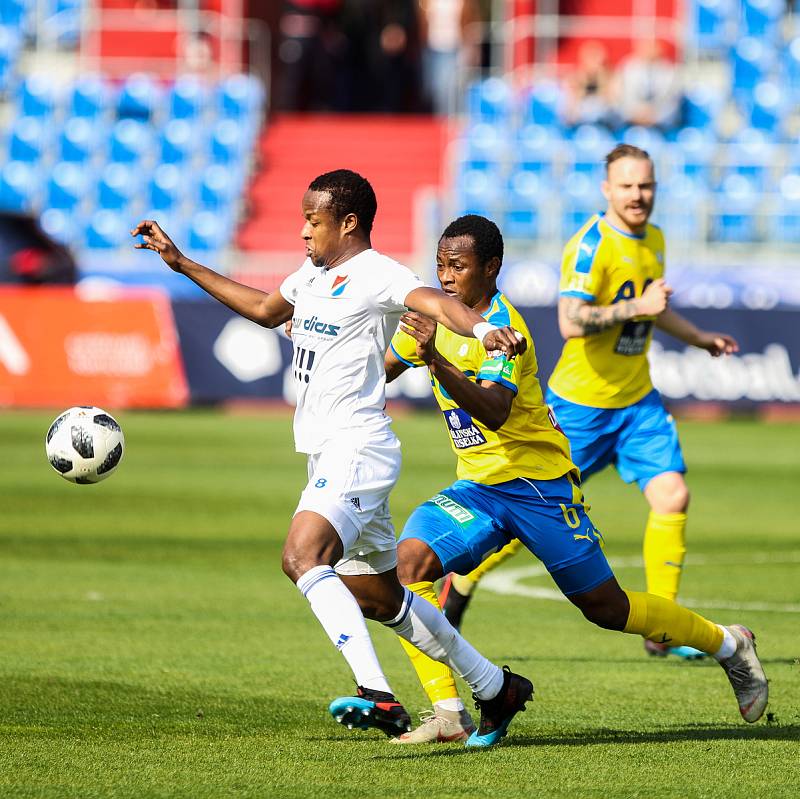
613,294
516,480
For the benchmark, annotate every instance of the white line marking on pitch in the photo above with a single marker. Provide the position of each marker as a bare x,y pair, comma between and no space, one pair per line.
509,581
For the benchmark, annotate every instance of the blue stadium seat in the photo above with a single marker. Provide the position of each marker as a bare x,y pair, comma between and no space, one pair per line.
753,59
714,23
166,188
526,191
130,141
117,186
486,146
178,142
67,187
108,230
61,20
648,139
242,97
490,100
785,218
768,108
219,185
188,98
791,68
734,210
209,232
91,97
536,147
228,142
28,140
694,151
19,186
681,202
38,96
543,104
702,103
139,97
15,14
61,226
80,139
590,145
762,18
581,197
10,45
751,153
478,192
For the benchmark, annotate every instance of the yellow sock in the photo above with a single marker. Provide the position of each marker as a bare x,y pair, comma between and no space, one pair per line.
465,584
436,678
664,550
667,622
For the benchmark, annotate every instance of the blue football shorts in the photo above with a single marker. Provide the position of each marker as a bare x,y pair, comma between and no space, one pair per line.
466,522
640,440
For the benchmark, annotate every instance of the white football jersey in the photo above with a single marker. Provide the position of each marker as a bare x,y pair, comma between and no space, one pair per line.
343,321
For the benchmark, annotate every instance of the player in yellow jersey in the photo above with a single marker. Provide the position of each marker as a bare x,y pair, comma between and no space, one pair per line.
516,480
612,295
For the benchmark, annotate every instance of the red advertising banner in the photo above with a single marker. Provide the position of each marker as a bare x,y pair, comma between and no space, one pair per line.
58,349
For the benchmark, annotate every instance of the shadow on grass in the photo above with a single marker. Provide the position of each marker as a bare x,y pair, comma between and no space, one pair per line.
600,737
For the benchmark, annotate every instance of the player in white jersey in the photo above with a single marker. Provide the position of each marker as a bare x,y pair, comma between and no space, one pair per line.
345,302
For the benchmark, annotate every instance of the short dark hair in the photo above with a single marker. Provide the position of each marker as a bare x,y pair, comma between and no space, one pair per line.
626,151
350,194
486,236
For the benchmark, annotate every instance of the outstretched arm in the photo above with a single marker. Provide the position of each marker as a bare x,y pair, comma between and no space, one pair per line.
488,402
577,317
681,328
267,310
456,316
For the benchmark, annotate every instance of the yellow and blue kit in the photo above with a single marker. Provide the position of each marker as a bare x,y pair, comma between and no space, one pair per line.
600,390
516,482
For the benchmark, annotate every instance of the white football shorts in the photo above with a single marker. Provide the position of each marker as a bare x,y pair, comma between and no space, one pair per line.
349,483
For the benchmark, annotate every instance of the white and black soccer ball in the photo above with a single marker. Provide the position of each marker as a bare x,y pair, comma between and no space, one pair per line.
85,444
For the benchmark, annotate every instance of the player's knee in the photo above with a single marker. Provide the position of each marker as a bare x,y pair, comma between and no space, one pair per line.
381,608
669,494
606,606
609,618
292,565
417,562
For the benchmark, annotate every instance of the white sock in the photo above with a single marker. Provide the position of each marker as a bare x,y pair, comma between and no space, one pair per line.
728,645
455,705
342,619
421,624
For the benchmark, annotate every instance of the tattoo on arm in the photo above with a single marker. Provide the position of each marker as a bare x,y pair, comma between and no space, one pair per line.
596,318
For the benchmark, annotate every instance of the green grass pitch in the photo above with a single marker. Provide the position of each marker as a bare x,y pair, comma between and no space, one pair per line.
151,647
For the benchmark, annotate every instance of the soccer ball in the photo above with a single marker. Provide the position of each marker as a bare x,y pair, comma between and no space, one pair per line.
84,444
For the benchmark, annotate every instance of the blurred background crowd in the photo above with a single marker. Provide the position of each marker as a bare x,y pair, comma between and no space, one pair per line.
213,115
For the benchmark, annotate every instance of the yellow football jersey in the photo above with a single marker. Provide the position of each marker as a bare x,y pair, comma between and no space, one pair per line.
528,444
603,265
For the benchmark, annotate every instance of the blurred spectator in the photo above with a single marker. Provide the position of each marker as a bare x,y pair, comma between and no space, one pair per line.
451,36
309,53
383,56
588,88
647,89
